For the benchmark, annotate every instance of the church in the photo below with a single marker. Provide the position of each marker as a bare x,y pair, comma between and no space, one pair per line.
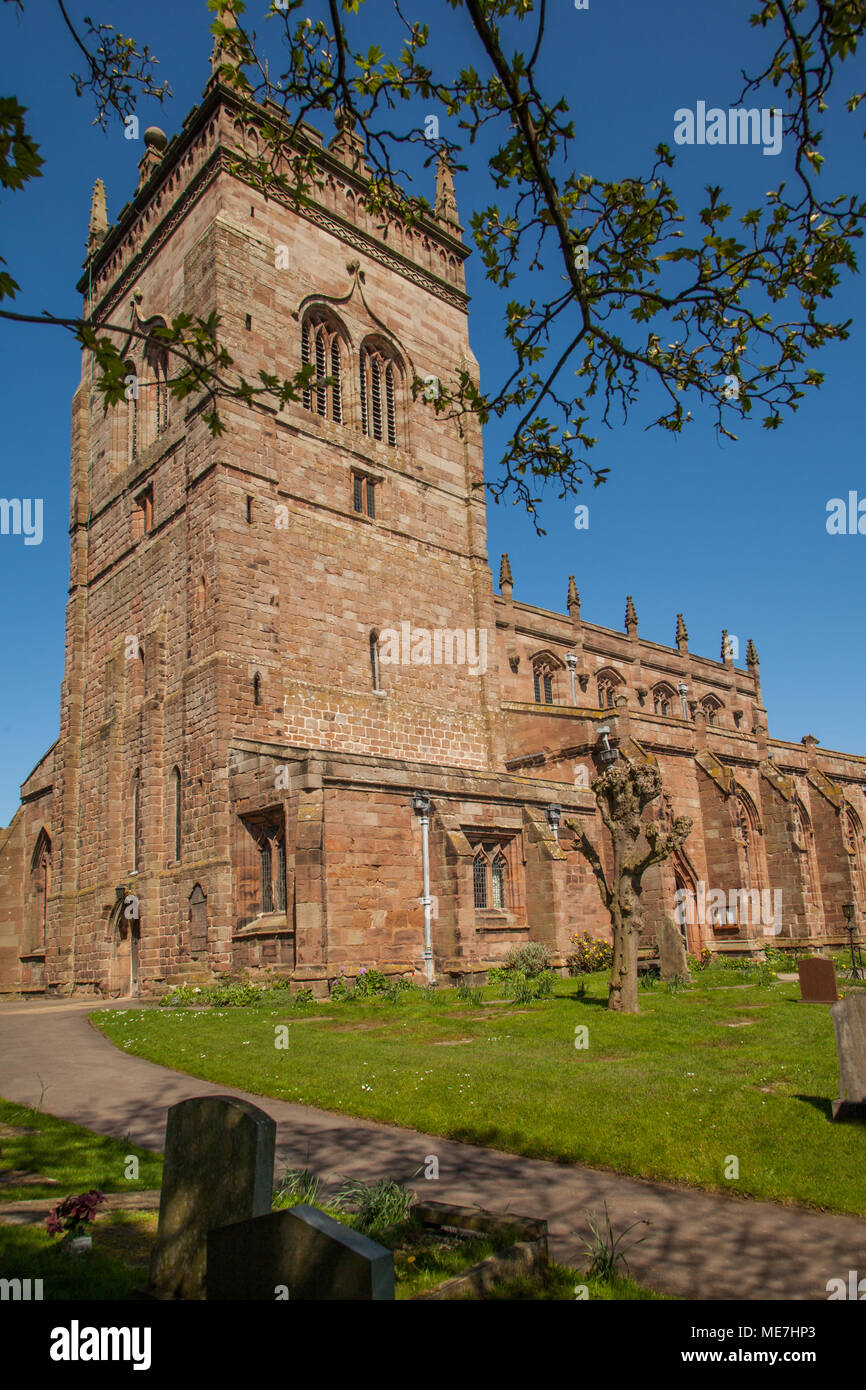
302,731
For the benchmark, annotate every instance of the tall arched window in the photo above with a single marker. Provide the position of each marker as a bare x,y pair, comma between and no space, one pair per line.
711,708
40,877
743,839
479,878
608,688
662,698
321,346
177,807
852,831
272,869
804,841
378,390
267,892
542,678
490,876
498,873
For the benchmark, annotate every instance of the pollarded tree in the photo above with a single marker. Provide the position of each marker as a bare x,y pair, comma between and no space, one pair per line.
623,792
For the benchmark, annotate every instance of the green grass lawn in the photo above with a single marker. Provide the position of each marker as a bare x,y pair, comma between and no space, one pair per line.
723,1067
117,1264
78,1159
122,1240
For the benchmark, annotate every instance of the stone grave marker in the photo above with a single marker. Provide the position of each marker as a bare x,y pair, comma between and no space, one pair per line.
297,1254
849,1020
673,959
219,1168
817,981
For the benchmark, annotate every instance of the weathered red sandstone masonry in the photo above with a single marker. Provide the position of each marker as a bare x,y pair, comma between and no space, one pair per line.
231,787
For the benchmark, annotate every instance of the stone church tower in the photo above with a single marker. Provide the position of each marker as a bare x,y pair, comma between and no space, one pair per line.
277,637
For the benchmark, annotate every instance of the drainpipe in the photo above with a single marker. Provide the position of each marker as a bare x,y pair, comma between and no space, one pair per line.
571,663
421,807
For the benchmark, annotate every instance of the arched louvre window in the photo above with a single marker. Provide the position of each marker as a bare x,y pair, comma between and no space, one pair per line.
390,405
378,388
320,345
160,374
131,409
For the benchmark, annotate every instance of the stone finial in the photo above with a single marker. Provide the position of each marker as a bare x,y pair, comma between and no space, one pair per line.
810,740
751,654
573,598
347,144
446,198
505,577
727,654
682,634
630,617
218,55
98,229
155,141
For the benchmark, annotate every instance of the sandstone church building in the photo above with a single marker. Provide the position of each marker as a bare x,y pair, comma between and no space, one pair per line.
270,639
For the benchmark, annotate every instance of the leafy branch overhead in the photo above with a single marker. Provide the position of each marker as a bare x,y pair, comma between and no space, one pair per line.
615,291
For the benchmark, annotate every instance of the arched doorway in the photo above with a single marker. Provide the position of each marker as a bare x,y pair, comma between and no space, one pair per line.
125,936
686,898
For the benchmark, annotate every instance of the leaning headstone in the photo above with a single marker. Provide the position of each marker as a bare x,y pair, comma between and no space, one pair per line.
849,1019
219,1168
817,981
673,960
296,1254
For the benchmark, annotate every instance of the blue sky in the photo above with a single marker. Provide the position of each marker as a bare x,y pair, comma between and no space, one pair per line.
733,535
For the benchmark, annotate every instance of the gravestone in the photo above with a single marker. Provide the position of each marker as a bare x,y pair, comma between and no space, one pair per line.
297,1254
219,1168
817,981
673,960
849,1020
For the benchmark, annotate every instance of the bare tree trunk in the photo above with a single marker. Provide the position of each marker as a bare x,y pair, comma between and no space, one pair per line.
623,792
622,995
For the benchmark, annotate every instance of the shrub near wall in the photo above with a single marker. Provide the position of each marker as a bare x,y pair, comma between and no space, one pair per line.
590,955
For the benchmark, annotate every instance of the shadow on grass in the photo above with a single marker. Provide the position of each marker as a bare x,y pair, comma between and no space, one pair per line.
820,1103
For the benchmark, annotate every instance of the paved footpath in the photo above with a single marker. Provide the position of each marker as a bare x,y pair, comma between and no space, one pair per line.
698,1245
